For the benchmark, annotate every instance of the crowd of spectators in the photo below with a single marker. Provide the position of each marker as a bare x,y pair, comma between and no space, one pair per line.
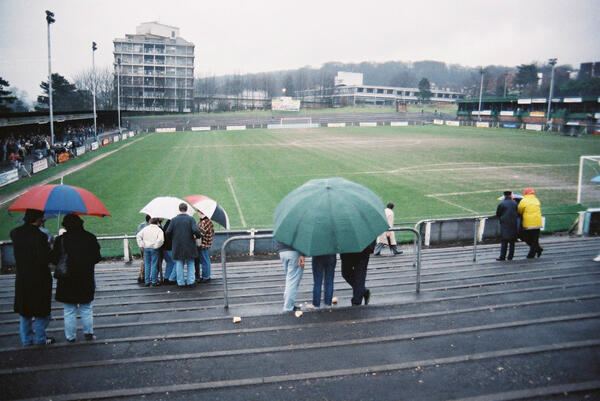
15,148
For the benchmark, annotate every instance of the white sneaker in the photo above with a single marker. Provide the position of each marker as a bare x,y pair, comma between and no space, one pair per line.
309,307
597,258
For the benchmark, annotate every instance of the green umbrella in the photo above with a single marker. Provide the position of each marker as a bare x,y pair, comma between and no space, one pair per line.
329,216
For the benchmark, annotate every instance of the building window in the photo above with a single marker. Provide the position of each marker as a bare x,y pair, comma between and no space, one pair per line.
379,90
390,92
369,90
360,90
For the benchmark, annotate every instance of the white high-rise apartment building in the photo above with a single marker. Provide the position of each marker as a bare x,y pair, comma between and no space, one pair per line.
156,69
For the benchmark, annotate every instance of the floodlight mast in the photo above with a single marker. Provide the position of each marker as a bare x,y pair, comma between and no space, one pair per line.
481,71
50,20
552,63
94,48
119,92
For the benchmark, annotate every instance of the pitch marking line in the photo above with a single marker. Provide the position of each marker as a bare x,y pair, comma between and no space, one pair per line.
237,203
454,204
10,198
485,191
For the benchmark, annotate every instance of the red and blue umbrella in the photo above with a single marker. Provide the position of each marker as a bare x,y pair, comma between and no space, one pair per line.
60,199
210,208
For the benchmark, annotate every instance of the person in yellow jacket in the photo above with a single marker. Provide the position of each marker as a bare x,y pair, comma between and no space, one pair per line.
530,210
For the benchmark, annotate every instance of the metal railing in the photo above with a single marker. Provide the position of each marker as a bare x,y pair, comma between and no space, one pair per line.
477,221
417,263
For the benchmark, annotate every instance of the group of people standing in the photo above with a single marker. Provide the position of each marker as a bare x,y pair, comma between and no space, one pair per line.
520,218
182,243
354,270
34,251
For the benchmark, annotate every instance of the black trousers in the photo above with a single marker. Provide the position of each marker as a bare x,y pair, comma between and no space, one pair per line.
354,271
504,244
532,238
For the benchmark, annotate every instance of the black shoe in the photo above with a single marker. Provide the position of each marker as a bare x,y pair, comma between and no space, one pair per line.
539,252
500,259
147,285
398,252
72,340
181,286
296,308
89,336
49,340
191,285
530,256
169,282
140,280
367,296
155,284
204,280
509,258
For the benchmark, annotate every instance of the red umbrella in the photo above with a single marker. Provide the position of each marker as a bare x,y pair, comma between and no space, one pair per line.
60,199
210,208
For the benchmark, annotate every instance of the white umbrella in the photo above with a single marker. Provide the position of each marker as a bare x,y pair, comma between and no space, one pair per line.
165,207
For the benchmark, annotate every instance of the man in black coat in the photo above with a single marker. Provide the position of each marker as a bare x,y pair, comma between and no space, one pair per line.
33,283
183,232
508,216
354,271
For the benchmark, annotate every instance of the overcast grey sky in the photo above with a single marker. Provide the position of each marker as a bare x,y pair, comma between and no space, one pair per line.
265,35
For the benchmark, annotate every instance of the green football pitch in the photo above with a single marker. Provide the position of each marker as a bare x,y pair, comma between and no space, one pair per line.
427,171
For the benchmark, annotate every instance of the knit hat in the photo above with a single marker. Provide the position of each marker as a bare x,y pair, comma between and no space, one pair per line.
529,191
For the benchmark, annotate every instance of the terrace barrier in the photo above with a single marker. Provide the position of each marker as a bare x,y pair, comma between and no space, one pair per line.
238,238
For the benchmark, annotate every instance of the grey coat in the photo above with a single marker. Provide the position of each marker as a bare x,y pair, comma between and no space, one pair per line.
507,214
183,231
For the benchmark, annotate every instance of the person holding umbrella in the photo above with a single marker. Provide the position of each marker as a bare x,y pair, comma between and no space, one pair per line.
293,268
151,239
354,271
77,288
183,232
33,283
508,217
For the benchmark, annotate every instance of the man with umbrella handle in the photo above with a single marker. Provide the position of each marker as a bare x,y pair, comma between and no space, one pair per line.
293,267
184,231
388,238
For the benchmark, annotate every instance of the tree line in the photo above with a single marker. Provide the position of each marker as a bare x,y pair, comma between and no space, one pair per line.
522,80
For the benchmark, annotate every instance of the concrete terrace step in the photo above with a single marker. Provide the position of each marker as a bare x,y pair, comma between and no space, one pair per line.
483,330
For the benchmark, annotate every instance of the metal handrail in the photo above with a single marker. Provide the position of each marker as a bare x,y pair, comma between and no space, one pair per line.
417,263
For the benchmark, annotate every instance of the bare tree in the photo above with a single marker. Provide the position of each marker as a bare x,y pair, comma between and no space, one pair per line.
105,86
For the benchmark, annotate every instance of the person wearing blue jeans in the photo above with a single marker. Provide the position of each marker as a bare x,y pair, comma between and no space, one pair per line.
151,266
188,280
77,288
293,268
33,281
170,272
323,268
32,330
86,312
183,232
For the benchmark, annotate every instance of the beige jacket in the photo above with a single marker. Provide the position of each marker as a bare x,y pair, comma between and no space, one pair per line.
151,237
382,239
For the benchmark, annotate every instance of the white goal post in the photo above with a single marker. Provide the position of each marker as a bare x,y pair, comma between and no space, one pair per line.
295,121
588,186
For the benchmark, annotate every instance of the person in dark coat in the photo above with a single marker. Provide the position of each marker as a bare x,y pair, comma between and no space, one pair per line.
183,232
354,271
76,290
33,283
509,228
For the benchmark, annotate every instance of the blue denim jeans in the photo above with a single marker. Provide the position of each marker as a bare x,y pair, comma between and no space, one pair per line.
181,279
323,268
293,274
150,265
33,329
86,311
204,257
170,268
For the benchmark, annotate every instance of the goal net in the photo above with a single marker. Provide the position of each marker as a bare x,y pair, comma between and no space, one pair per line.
588,187
295,121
